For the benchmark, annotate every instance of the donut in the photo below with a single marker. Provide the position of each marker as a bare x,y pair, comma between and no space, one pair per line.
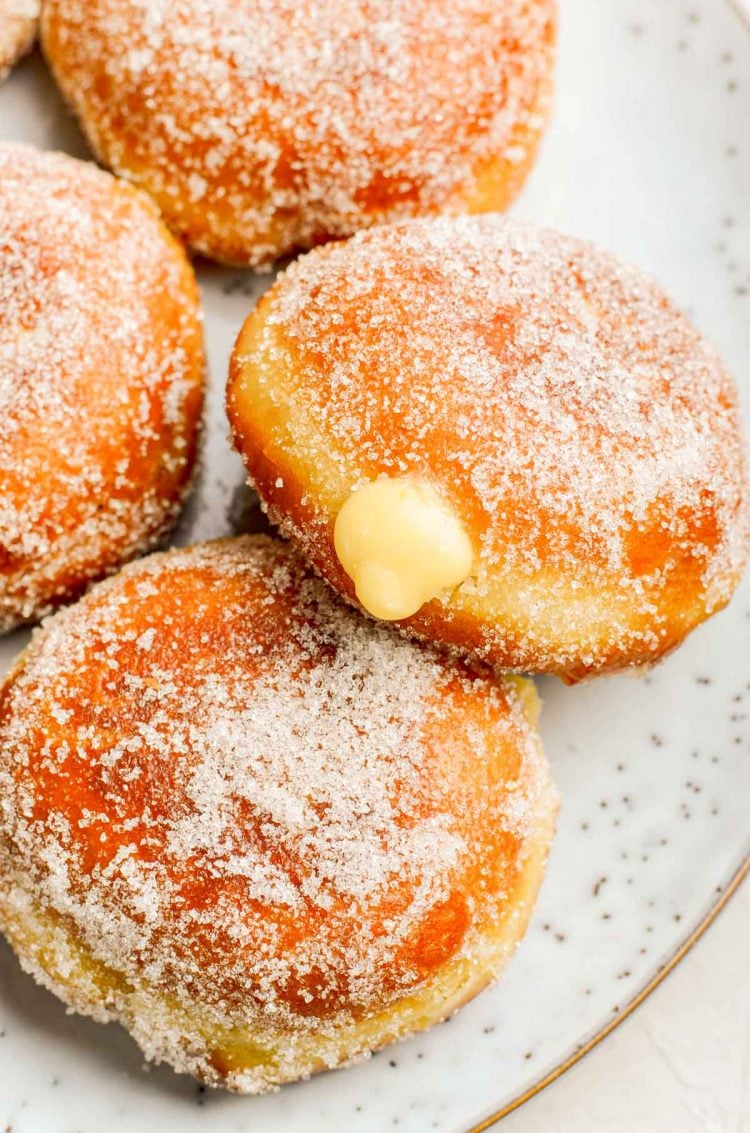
18,26
265,126
500,438
101,377
262,832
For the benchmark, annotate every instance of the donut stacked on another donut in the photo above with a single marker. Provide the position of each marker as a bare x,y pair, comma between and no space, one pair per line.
262,126
502,438
101,377
263,832
18,24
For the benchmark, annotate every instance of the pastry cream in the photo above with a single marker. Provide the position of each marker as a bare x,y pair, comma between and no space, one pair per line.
401,545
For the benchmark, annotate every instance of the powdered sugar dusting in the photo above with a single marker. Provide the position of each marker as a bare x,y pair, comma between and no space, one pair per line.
101,369
248,799
266,125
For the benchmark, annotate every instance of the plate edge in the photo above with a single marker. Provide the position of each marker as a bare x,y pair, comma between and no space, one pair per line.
727,892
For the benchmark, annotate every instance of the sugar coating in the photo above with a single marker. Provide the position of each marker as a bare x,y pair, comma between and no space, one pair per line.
18,25
265,125
101,371
252,804
586,434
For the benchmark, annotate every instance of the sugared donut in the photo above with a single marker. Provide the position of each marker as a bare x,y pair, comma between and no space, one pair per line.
265,834
101,377
501,437
18,24
261,126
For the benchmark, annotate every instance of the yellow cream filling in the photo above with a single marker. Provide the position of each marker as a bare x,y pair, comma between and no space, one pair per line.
401,545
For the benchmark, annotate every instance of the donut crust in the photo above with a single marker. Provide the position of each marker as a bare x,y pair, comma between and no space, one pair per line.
180,853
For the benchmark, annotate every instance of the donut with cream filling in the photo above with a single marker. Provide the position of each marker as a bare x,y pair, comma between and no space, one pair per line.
502,438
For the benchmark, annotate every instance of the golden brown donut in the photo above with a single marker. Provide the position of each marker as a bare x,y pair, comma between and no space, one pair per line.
502,438
262,126
18,25
101,377
265,834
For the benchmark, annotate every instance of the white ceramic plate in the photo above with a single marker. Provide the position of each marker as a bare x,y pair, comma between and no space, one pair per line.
649,154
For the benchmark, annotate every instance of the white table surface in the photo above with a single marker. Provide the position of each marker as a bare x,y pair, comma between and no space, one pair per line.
679,1064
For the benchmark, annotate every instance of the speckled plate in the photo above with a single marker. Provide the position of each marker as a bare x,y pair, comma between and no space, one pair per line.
649,154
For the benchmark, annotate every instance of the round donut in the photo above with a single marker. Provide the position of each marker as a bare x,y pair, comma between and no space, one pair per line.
264,833
101,377
264,126
18,26
502,438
